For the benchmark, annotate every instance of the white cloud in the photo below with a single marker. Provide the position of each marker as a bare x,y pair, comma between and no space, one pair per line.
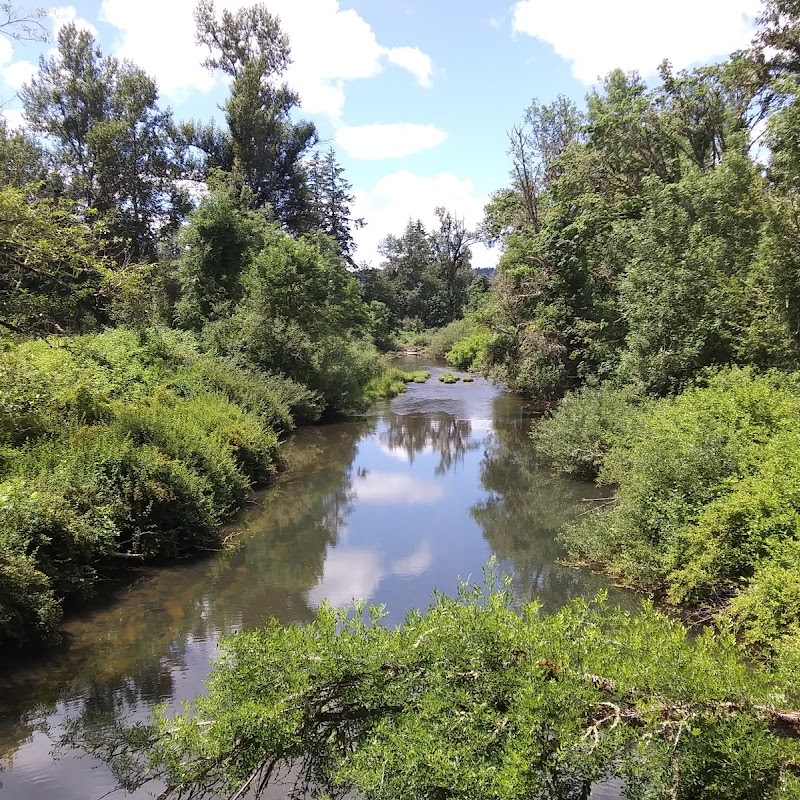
13,117
597,37
401,196
419,64
159,37
19,73
6,50
329,47
391,487
63,15
395,140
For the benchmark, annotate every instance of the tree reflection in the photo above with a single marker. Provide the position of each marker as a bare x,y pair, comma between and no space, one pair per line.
440,433
527,506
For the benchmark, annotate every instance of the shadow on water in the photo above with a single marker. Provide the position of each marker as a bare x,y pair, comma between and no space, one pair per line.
420,494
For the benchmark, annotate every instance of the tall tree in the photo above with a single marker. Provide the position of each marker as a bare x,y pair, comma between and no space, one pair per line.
332,201
452,259
267,147
108,139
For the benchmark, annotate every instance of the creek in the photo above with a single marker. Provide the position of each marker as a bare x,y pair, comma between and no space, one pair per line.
416,496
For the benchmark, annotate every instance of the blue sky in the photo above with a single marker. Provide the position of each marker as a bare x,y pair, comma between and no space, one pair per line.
416,96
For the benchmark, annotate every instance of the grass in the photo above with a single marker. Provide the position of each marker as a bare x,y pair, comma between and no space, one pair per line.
448,377
393,382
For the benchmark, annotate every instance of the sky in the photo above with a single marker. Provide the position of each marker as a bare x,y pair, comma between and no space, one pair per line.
415,96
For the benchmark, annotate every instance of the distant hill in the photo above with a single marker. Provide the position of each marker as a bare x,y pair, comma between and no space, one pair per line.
487,271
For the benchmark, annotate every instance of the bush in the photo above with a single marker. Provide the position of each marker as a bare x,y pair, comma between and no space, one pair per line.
475,696
767,610
122,444
468,353
576,437
441,341
29,610
448,377
709,498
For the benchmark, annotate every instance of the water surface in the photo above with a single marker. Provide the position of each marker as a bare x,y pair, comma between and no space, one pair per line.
417,496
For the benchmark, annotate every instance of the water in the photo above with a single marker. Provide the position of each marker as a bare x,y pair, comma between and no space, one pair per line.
416,497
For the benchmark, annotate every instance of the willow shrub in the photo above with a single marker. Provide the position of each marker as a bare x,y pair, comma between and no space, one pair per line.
577,435
468,353
708,498
470,699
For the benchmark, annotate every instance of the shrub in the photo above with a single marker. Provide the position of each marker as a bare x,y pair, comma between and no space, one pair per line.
448,377
576,437
29,611
468,353
441,341
709,498
134,444
475,696
768,608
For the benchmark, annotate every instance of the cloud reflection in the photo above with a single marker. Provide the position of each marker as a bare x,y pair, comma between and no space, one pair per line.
390,487
355,573
348,575
418,562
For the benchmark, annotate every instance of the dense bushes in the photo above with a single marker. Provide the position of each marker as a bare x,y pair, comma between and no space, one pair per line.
707,509
471,698
122,445
576,438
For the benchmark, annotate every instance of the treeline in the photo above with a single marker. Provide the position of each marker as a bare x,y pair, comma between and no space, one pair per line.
174,298
425,280
650,285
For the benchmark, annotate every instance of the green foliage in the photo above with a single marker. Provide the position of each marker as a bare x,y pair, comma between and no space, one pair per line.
577,435
441,341
51,276
392,382
685,293
113,147
472,699
767,610
216,247
425,276
123,445
301,315
469,353
641,240
448,377
708,504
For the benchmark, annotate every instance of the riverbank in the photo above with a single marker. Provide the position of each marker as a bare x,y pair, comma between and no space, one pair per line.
121,449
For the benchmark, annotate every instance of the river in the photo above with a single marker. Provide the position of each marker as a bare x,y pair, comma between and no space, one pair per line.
416,496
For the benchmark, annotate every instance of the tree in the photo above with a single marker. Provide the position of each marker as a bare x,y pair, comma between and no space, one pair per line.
51,276
109,140
471,699
22,159
451,252
64,101
21,25
266,147
332,201
214,249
